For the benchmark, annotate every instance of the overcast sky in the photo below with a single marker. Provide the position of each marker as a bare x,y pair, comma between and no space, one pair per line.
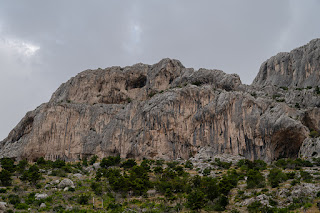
44,43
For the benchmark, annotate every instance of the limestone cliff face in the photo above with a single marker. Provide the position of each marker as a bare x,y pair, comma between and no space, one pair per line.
164,111
299,68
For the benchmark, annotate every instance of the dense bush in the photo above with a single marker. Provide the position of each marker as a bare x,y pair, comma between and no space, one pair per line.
196,200
188,164
246,165
96,187
22,165
293,164
128,163
255,179
83,199
276,176
314,134
306,176
221,164
7,164
32,174
5,178
93,159
14,199
110,161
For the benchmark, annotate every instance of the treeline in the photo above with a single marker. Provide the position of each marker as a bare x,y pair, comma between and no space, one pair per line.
173,181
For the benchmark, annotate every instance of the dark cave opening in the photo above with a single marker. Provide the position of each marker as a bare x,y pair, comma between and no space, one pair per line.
136,83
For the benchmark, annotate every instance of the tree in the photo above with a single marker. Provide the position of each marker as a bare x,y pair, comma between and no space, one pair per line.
221,203
110,161
41,161
255,179
83,199
85,161
22,166
196,200
7,164
32,175
5,178
93,159
128,163
276,176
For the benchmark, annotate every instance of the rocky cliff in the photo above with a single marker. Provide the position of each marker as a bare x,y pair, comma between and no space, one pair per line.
168,111
299,68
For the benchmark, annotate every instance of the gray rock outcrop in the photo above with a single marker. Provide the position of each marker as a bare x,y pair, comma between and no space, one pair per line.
40,196
298,68
168,111
66,183
310,148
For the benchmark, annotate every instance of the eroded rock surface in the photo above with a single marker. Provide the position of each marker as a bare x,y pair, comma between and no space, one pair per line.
299,68
168,111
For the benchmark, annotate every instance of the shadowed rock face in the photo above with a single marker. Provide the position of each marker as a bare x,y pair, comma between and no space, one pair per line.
164,111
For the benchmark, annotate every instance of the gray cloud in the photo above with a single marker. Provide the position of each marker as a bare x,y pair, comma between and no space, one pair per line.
44,43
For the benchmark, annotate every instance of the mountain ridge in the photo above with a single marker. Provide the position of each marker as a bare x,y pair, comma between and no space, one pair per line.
168,111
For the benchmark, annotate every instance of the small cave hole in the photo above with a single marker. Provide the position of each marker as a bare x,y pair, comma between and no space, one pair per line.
136,83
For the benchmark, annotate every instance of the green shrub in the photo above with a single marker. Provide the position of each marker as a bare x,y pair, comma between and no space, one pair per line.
306,176
83,199
14,199
7,164
276,176
32,175
221,164
30,198
58,163
196,200
158,170
314,134
172,164
41,161
159,162
221,203
110,161
5,178
188,164
85,161
22,165
255,179
96,187
21,206
206,171
93,159
255,207
246,165
129,163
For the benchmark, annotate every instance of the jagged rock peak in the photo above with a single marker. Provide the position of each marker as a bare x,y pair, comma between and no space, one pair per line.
299,68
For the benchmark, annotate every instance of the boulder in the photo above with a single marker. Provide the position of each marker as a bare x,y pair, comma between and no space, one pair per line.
78,175
3,206
39,196
66,183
